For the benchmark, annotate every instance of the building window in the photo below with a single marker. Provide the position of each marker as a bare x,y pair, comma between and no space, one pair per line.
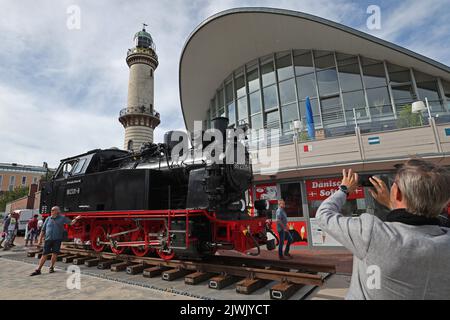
328,82
220,97
1,182
130,145
253,80
292,196
379,102
427,87
272,120
350,77
303,64
255,102
289,114
24,180
257,121
403,95
315,110
242,110
240,86
373,74
331,111
284,66
268,74
346,59
287,92
398,75
355,100
35,180
270,97
12,183
306,86
323,60
229,92
231,114
446,86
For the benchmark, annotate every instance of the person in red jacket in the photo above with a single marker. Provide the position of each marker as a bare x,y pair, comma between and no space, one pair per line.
32,229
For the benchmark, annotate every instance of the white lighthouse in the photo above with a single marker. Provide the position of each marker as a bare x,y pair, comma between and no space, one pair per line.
139,118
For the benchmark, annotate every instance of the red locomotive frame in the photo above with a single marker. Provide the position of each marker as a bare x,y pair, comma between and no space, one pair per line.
141,230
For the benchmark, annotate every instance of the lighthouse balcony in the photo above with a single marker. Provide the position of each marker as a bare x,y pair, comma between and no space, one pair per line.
141,110
137,50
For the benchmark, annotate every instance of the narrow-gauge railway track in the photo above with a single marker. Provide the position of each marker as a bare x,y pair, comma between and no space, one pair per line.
248,274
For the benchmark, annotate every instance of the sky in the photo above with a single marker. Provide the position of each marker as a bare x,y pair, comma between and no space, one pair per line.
61,89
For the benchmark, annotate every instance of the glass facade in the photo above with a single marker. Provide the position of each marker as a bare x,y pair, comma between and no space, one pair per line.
271,91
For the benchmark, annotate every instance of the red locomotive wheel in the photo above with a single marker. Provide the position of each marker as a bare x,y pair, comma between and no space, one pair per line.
166,255
98,234
140,251
122,238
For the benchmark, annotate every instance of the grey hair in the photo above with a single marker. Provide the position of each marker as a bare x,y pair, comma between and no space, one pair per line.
56,208
425,186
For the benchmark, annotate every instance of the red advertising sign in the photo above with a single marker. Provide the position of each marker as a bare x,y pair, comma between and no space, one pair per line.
267,192
301,237
321,189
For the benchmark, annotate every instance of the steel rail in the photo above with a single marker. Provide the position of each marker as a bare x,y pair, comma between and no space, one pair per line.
215,267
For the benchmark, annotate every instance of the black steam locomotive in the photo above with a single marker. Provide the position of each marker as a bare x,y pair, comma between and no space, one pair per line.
165,199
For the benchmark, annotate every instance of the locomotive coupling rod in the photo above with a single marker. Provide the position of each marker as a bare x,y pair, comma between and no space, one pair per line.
109,236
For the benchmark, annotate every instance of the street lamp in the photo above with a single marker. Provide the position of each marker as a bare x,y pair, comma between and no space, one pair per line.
420,106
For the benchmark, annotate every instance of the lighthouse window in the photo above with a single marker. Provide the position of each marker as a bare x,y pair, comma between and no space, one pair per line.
292,196
151,72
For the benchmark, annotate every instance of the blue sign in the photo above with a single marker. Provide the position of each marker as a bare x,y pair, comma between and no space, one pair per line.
374,140
447,131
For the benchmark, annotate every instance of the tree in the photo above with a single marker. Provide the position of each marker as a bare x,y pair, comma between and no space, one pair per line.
9,196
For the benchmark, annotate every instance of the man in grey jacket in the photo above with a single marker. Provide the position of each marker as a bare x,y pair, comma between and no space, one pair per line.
408,255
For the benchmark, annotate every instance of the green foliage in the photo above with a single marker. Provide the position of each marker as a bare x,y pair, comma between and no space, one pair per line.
407,119
9,196
303,136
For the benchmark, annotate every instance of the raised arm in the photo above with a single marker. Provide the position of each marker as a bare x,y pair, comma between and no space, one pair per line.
353,233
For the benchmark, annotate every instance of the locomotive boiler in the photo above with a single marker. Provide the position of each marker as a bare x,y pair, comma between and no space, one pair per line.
165,200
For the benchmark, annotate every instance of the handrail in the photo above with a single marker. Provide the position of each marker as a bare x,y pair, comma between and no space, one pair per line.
139,110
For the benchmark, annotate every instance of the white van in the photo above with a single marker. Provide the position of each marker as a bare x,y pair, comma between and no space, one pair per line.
25,216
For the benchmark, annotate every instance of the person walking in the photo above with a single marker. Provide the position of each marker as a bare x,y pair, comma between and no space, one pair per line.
11,229
283,231
53,231
31,230
408,255
38,231
6,221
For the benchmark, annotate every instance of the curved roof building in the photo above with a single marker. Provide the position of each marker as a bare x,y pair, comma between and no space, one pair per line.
259,65
230,52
